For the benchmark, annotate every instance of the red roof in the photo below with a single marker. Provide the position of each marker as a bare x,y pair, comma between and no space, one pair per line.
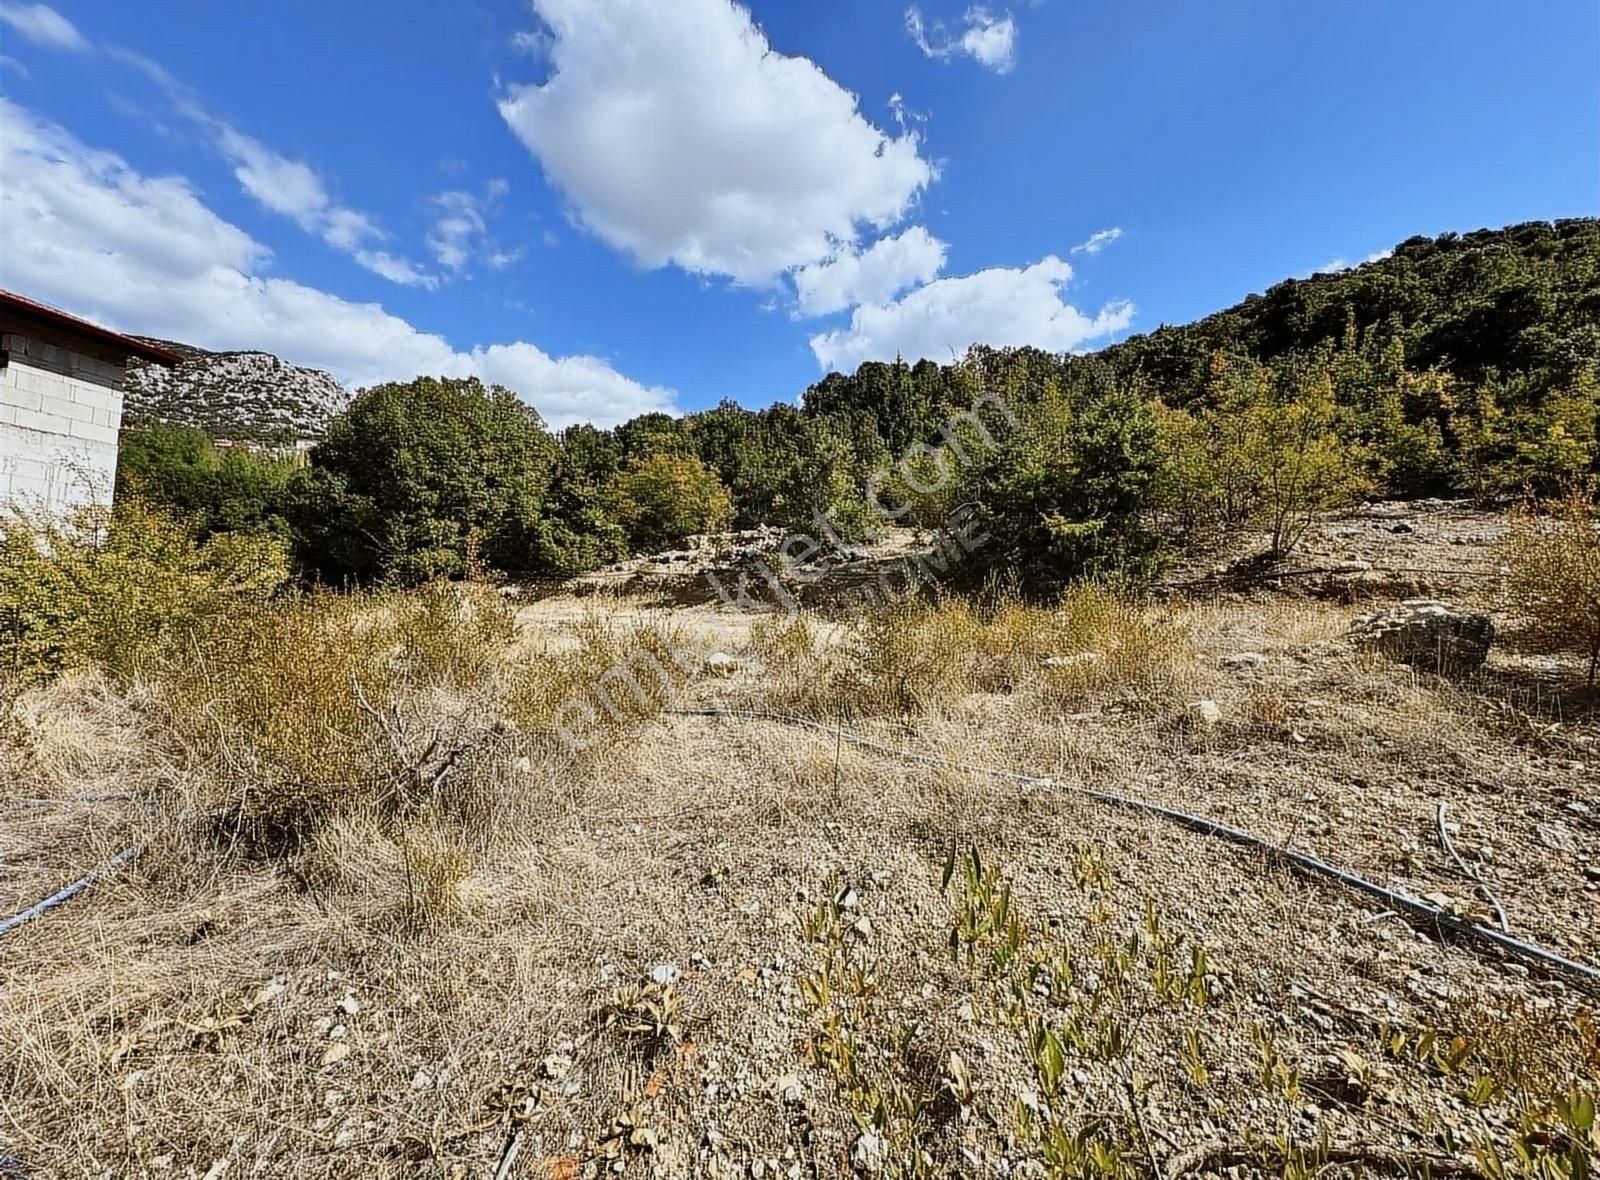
21,305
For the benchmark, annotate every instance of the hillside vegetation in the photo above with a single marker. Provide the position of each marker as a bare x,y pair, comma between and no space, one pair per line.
1458,365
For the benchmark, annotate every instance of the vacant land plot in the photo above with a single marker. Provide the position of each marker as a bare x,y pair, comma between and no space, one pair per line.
406,930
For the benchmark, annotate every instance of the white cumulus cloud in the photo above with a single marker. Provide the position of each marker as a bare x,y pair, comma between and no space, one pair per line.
874,275
679,135
987,39
42,25
1001,306
81,229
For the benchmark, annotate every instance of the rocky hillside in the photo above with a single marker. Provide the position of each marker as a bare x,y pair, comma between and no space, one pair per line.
238,395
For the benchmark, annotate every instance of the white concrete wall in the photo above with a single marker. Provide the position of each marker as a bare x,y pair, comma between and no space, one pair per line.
59,416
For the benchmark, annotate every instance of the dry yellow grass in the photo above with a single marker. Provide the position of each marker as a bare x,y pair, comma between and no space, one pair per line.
427,968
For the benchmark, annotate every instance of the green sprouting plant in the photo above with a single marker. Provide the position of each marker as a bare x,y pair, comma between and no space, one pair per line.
986,919
650,1013
1557,1141
1100,1149
1273,1070
862,1045
1191,1057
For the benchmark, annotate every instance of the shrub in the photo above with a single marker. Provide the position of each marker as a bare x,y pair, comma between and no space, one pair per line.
663,499
915,656
183,471
1305,467
1554,583
1268,451
294,712
1071,496
113,589
414,479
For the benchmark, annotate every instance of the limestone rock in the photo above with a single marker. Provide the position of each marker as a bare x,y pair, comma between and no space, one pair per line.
1429,635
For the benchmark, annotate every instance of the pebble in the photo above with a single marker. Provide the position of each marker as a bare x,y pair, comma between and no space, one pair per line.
868,1154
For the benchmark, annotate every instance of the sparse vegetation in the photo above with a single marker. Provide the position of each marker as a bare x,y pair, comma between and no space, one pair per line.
113,590
435,871
1554,582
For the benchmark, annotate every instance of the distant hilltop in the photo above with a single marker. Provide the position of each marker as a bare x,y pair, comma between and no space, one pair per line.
243,396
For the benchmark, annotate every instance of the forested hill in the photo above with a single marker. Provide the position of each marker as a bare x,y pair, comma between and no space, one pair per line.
1520,300
1459,365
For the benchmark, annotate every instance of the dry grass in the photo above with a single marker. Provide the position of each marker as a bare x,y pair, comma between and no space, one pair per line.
916,656
429,964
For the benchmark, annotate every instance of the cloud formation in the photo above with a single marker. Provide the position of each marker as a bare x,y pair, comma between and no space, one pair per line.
679,136
874,275
290,188
42,25
82,229
989,40
1098,241
461,233
1001,306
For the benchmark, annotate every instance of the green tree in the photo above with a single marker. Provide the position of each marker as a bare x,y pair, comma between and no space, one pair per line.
663,499
1072,495
414,479
216,489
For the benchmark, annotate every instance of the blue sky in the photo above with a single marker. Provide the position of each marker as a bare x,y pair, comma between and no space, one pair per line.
622,205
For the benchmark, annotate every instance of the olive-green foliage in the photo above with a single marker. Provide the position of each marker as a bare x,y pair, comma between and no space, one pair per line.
1539,449
219,490
1554,566
1269,450
414,481
112,589
663,499
1305,467
1071,495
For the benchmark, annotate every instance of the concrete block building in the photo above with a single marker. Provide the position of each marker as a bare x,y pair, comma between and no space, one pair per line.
60,405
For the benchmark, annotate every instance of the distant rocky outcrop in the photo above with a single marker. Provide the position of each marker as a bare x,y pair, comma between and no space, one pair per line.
243,396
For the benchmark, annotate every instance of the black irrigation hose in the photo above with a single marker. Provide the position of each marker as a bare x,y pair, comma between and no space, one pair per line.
68,893
1401,902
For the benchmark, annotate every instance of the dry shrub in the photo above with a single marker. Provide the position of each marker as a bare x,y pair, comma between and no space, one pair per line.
111,590
436,866
71,731
916,656
1109,644
583,699
293,712
1554,582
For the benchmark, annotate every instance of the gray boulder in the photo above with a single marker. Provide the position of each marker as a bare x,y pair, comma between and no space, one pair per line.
1429,635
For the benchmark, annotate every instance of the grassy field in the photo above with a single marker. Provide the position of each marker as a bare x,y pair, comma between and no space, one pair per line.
388,920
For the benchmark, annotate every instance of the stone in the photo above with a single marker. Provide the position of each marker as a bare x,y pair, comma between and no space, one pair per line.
1428,635
720,663
1556,837
868,1154
1206,714
1244,659
1080,659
